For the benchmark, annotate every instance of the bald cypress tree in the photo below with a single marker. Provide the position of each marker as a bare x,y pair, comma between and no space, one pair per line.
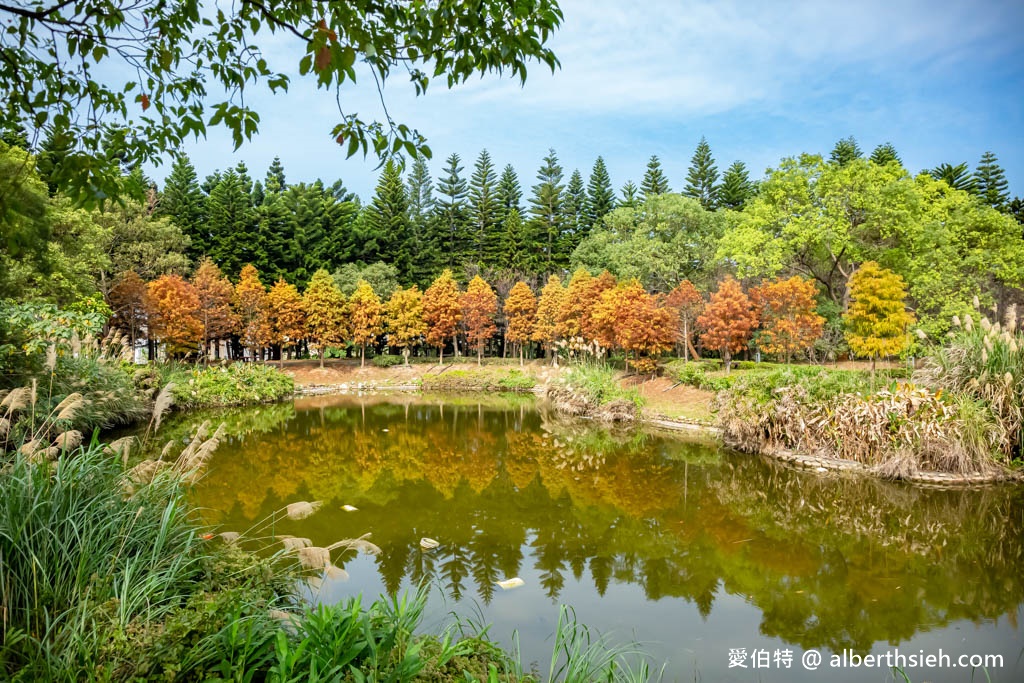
702,177
654,181
600,194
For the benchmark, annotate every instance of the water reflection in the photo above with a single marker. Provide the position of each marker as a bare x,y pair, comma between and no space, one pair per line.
827,561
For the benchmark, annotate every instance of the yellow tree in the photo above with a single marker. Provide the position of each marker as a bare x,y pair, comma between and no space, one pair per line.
215,293
521,311
728,320
365,317
575,304
789,323
406,325
441,311
479,305
877,319
545,329
324,305
173,306
286,316
251,307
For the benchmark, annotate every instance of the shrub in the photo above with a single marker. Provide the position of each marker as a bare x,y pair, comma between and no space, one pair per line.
600,385
479,380
386,361
236,384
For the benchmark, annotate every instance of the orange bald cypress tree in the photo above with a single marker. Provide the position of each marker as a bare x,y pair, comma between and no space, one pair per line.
366,317
641,326
687,302
215,293
545,328
441,311
251,307
173,307
479,306
787,315
286,316
728,320
521,311
127,301
325,307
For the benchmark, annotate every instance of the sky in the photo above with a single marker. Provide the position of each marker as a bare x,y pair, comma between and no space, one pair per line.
941,80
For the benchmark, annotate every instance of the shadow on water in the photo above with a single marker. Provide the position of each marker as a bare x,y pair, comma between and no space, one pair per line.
817,561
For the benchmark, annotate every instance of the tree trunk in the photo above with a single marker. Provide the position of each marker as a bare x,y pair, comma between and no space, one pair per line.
323,348
521,354
405,355
727,357
440,355
686,340
362,355
479,355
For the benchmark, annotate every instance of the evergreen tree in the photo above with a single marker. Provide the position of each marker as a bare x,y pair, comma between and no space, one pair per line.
510,195
654,181
275,181
184,203
629,196
702,178
483,210
422,219
736,188
546,210
210,182
575,212
514,254
245,179
956,177
600,195
845,151
258,194
231,224
990,180
276,236
1016,209
884,154
54,149
451,210
388,218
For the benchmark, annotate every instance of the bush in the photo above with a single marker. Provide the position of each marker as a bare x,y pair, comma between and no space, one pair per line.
601,385
386,361
479,380
236,384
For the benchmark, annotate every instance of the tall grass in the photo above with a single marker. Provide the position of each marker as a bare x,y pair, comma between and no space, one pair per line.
600,384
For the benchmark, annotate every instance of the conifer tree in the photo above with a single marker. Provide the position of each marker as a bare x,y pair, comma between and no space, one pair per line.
575,302
479,306
286,316
654,181
387,218
325,308
483,210
275,229
172,313
258,195
452,211
877,319
574,212
127,300
600,195
629,196
687,302
990,182
275,180
546,212
702,177
957,177
422,220
845,151
521,311
545,329
365,317
515,248
728,320
184,203
884,154
736,188
405,322
788,318
251,306
216,314
441,312
231,224
510,194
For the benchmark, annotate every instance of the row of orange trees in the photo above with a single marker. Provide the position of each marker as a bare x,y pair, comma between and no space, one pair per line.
590,315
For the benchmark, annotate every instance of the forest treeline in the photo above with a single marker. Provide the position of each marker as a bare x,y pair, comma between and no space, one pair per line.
949,234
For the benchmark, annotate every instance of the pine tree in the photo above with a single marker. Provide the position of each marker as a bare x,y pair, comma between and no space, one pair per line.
275,181
736,188
957,177
629,196
546,211
510,195
845,151
258,195
276,223
654,181
600,195
574,213
231,224
514,252
422,219
702,178
387,218
184,203
452,210
884,154
483,210
991,183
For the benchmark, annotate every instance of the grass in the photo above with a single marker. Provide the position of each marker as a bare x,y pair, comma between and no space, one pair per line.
600,384
229,385
483,379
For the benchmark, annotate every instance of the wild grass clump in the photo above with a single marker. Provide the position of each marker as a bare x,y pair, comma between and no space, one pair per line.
600,385
511,380
230,385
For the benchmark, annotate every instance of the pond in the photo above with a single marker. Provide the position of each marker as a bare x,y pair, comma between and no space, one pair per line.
689,549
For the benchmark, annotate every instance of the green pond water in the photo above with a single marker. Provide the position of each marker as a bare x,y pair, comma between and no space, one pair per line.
691,550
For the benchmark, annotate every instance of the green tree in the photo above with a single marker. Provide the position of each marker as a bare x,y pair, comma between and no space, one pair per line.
388,219
546,213
231,224
422,219
184,203
702,177
877,320
736,188
275,180
510,194
629,200
957,177
600,195
174,70
885,153
452,211
483,210
654,181
24,228
845,151
138,240
574,212
990,182
515,244
382,278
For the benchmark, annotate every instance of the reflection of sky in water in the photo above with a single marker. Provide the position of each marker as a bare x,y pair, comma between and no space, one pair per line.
702,551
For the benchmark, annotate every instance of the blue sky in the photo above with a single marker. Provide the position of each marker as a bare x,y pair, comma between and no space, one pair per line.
761,80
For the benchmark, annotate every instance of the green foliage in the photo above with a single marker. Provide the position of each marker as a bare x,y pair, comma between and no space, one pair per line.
654,180
24,230
990,182
388,361
483,212
236,384
629,200
845,151
884,154
387,224
486,379
957,177
600,195
600,384
702,177
452,211
546,210
736,188
382,277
